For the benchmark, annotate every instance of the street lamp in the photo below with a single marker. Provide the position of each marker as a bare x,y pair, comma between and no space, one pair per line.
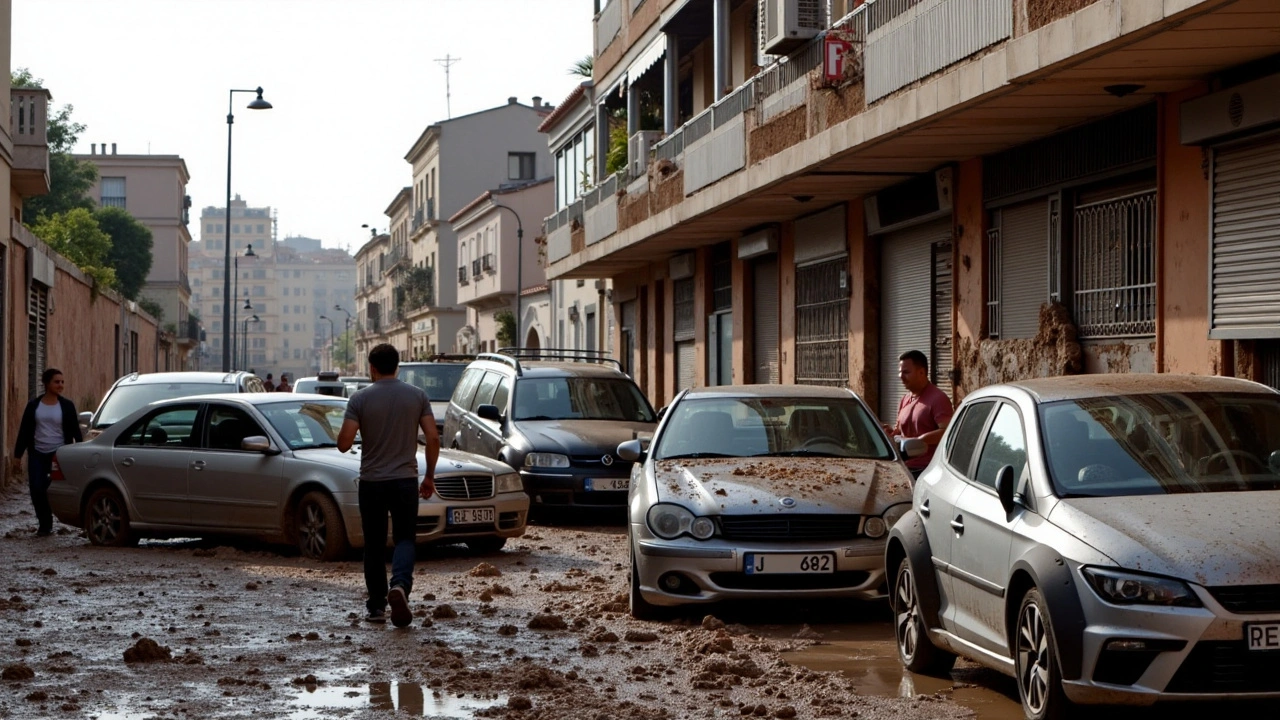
331,344
346,345
228,328
246,336
235,347
519,338
235,316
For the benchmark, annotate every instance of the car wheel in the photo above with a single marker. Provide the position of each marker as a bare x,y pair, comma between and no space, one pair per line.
1036,661
106,519
486,544
917,653
319,527
642,609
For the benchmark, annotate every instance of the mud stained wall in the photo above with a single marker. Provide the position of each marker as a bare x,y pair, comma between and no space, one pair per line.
743,332
665,190
633,208
833,105
778,134
969,265
1118,356
1043,12
1053,351
864,308
787,303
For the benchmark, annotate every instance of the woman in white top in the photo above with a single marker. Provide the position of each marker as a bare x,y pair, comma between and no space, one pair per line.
48,423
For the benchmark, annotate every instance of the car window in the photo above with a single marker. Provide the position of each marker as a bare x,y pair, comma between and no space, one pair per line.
309,424
580,398
438,381
253,383
503,392
228,426
1005,445
484,395
125,399
966,435
170,427
467,388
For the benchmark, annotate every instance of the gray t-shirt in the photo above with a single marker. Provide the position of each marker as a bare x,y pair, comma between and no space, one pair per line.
388,412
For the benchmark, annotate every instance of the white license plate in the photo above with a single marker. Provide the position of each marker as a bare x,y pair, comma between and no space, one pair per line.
1262,636
597,484
790,563
470,516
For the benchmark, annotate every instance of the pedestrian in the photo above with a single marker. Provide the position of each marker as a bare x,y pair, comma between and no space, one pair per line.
923,412
388,414
284,385
271,384
48,422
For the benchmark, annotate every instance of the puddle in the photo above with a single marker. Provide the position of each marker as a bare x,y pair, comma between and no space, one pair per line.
395,697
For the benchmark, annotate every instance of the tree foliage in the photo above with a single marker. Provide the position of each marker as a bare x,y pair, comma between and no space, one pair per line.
69,179
75,235
583,68
506,333
156,311
130,252
343,353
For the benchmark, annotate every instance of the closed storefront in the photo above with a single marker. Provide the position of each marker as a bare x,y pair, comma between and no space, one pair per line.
684,333
1245,252
822,299
1018,244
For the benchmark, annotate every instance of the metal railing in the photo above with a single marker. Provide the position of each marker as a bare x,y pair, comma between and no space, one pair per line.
193,328
463,278
486,262
994,259
1114,266
475,268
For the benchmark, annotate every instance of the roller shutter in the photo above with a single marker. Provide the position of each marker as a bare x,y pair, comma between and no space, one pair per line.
686,358
1245,251
942,359
37,335
1024,272
907,304
765,320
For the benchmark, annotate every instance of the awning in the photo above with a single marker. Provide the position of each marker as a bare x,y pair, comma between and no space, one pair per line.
651,55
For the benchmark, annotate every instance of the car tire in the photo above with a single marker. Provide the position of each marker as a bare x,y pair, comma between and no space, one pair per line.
319,528
642,609
486,544
1036,661
917,653
106,519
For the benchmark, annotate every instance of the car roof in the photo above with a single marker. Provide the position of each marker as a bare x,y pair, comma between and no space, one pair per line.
1075,387
188,376
550,368
762,390
264,398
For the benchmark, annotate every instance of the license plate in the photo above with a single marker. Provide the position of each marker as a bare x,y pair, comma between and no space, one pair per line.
598,484
470,516
1262,636
789,563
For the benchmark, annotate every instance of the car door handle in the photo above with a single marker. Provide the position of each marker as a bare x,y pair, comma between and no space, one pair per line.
197,465
924,508
958,524
127,462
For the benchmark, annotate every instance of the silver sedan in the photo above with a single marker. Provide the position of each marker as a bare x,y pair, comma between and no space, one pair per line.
261,465
1103,539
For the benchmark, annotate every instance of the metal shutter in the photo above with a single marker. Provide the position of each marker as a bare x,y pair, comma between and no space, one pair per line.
765,320
941,360
686,357
906,303
1024,272
1245,252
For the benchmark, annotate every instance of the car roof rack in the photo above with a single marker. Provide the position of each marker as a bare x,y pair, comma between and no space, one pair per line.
563,354
507,360
451,357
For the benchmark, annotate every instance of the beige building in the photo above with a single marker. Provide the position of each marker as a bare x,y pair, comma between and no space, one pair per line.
153,189
372,299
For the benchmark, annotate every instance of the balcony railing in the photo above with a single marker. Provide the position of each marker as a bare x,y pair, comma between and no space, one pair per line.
475,268
193,328
607,25
486,263
184,281
463,278
28,122
912,39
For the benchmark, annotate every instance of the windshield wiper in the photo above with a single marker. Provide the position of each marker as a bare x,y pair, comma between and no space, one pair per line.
798,453
696,455
538,417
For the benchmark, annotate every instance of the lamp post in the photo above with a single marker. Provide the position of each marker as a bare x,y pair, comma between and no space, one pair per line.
247,320
331,343
235,346
248,252
519,338
346,344
228,329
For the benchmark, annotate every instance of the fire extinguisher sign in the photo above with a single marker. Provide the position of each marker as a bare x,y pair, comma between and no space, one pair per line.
833,57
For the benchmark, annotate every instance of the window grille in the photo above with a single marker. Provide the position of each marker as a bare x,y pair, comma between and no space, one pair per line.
682,305
822,324
722,278
1114,266
993,281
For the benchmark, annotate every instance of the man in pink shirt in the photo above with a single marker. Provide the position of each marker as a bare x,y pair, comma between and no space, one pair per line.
924,412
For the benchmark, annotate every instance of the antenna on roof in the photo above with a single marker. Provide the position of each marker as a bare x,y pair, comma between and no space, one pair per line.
447,63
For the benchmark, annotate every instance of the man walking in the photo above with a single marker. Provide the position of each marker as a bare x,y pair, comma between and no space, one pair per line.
388,415
924,412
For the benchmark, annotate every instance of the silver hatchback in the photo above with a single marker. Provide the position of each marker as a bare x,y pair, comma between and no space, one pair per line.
1103,539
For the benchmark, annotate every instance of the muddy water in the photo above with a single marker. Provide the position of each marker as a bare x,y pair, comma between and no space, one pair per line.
411,699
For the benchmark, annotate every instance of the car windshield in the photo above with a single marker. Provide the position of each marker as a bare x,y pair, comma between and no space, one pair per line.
320,387
438,380
580,398
306,424
127,398
772,426
1162,443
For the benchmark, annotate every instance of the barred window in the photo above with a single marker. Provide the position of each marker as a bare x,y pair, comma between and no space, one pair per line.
683,309
1114,274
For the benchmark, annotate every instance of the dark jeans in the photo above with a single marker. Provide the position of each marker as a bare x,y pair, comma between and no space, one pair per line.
39,465
399,499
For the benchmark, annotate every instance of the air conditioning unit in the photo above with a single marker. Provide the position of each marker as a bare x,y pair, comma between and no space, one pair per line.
638,150
786,25
925,196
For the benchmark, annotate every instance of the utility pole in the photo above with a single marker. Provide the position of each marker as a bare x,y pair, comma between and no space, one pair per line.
447,63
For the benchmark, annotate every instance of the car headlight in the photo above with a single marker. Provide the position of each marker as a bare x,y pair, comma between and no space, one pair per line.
508,483
1128,588
671,521
546,460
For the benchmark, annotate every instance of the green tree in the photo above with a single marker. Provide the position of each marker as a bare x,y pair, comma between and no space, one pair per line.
69,179
583,68
506,332
75,235
344,351
130,252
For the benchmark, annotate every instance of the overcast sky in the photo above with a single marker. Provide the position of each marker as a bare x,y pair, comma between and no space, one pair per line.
353,84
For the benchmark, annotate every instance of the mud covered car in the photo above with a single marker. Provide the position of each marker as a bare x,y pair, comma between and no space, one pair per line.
1103,539
762,491
262,465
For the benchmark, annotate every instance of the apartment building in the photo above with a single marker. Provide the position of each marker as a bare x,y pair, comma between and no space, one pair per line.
373,299
153,189
1017,187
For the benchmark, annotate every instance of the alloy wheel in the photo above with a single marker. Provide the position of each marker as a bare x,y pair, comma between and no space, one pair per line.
106,520
312,530
1033,659
906,609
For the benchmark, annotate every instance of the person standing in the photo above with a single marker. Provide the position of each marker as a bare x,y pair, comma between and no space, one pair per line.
923,412
284,385
270,383
388,414
48,422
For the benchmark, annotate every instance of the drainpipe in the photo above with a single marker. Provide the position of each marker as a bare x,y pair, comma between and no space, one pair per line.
720,19
671,85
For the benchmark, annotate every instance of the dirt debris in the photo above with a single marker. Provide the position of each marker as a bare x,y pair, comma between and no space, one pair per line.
147,650
18,671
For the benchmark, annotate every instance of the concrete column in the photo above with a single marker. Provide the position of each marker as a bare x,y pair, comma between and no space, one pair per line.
702,291
969,275
864,307
633,108
743,359
787,303
671,85
720,43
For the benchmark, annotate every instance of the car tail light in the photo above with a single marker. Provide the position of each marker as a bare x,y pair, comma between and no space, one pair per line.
55,471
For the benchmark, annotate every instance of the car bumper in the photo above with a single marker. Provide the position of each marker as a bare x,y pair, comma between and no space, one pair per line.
511,511
64,501
570,488
714,570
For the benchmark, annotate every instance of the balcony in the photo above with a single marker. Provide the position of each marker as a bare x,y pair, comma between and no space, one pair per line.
463,278
189,333
184,282
423,216
28,122
486,263
475,268
607,25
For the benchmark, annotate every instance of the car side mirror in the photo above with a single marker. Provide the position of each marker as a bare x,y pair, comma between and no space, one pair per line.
1004,488
489,412
633,450
913,447
258,443
85,418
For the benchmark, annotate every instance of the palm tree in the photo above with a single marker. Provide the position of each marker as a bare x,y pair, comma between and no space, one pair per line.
584,67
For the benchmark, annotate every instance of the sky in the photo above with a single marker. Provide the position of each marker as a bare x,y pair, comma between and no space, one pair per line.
353,84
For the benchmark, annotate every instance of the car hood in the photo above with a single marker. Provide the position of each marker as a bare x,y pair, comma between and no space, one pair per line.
582,437
1225,538
757,485
450,462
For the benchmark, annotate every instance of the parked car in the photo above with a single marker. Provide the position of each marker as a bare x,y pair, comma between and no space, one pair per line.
263,465
555,415
1103,539
138,389
326,383
439,377
762,491
354,383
